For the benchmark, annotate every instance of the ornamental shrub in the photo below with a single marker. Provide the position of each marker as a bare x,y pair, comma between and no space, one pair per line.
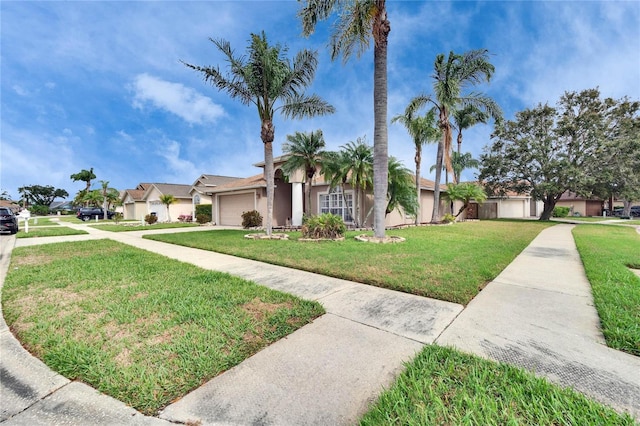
204,209
185,218
559,211
448,218
326,226
151,219
203,218
251,219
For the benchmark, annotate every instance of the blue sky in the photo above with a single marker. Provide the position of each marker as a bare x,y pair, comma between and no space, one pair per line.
100,84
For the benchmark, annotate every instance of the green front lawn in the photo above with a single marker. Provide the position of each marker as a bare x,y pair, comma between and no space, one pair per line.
442,386
450,263
41,221
54,231
138,326
607,253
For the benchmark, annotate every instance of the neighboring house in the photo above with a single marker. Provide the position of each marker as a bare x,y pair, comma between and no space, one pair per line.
510,206
200,190
145,199
581,206
11,205
61,206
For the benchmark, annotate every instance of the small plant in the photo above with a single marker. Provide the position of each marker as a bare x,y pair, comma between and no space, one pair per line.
559,211
448,218
251,219
117,217
203,218
185,218
39,210
326,226
151,219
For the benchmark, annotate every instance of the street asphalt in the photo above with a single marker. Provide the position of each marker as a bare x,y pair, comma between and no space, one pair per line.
537,314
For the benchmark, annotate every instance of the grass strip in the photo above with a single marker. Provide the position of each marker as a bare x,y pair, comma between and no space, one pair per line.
607,254
442,386
49,232
41,221
450,263
138,326
135,226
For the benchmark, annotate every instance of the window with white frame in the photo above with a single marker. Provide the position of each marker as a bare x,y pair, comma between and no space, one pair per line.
337,203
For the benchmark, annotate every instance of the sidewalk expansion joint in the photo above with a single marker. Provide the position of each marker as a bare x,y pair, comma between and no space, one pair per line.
378,328
545,290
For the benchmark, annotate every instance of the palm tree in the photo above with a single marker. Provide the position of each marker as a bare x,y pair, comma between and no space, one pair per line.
353,164
460,162
167,200
358,22
360,159
401,191
305,152
107,197
422,130
451,76
92,198
335,170
263,78
465,118
85,176
465,192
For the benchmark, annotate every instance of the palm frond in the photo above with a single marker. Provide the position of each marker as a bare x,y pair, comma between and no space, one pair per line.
352,31
299,106
315,11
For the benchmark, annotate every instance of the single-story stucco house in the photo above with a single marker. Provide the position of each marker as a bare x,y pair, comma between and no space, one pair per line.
145,199
509,206
229,200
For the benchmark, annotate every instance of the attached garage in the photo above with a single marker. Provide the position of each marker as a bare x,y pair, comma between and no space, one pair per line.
232,206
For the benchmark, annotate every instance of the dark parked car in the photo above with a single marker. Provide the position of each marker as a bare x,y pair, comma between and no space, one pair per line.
88,213
635,211
8,220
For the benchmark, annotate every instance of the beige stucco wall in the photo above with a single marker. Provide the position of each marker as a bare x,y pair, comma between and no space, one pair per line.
575,206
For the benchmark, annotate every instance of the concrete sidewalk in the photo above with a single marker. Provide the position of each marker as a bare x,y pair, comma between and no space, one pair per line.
537,314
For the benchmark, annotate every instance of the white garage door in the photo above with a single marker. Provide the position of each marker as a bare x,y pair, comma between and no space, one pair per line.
232,207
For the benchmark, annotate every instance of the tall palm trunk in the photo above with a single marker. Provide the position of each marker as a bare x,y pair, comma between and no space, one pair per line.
380,136
418,159
435,216
446,131
307,191
267,135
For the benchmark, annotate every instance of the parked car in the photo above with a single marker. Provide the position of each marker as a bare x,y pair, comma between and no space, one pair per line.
8,220
635,211
88,213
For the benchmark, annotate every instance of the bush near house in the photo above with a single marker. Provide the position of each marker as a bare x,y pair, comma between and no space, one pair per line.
151,219
203,213
559,211
185,218
251,219
326,225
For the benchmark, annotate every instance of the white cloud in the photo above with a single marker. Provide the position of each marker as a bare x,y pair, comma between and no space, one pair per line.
176,98
179,170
